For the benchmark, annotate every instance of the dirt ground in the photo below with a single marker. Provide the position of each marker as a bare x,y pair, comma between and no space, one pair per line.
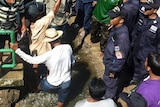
88,64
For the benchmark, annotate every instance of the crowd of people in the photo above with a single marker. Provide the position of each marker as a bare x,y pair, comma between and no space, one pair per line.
129,36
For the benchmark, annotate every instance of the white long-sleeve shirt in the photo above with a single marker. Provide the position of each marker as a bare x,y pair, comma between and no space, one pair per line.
58,62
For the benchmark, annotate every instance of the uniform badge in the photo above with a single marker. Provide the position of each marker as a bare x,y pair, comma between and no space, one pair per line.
140,21
153,29
155,21
142,10
118,53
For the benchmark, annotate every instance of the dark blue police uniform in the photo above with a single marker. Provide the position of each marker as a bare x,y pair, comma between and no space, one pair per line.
132,7
118,41
147,40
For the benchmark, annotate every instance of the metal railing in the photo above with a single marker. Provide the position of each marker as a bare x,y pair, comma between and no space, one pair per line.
11,33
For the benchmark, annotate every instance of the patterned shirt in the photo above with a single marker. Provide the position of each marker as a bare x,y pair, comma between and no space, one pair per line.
8,14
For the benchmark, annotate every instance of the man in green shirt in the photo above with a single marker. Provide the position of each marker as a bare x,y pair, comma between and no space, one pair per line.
100,21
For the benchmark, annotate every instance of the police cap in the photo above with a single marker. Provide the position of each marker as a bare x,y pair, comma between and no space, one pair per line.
117,11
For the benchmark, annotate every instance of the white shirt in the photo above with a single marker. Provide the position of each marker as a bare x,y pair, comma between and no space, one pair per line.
58,62
102,103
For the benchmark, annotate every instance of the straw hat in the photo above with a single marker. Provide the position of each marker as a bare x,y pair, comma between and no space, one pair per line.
52,34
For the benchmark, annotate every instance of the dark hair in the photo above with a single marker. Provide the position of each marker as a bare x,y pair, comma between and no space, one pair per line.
35,10
154,63
97,88
57,40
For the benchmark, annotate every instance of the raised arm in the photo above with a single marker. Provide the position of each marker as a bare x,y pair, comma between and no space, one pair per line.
24,27
56,6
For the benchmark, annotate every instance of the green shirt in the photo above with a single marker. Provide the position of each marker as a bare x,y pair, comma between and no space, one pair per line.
102,7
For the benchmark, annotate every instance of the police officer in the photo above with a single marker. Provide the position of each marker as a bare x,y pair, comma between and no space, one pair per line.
100,22
146,39
132,7
126,74
116,50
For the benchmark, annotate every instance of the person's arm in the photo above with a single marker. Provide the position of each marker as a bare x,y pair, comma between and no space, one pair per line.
56,6
94,3
24,27
122,103
21,11
68,5
28,58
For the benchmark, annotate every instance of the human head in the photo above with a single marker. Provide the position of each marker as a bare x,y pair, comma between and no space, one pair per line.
125,1
97,88
153,63
143,1
35,11
10,1
117,15
117,11
133,100
158,12
52,35
149,5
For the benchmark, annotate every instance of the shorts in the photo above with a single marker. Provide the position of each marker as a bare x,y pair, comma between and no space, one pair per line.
62,89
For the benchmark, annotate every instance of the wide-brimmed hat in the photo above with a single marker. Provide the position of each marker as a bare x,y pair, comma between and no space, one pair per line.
134,99
52,34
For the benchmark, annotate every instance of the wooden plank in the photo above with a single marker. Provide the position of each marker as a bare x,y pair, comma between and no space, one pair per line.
12,77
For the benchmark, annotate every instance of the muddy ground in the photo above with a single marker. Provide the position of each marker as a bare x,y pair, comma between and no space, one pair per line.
88,64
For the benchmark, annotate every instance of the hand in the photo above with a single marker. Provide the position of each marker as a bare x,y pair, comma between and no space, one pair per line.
14,46
67,14
23,29
110,27
101,54
111,75
129,88
122,102
94,3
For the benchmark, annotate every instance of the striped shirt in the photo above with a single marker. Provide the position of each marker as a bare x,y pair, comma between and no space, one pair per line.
8,14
